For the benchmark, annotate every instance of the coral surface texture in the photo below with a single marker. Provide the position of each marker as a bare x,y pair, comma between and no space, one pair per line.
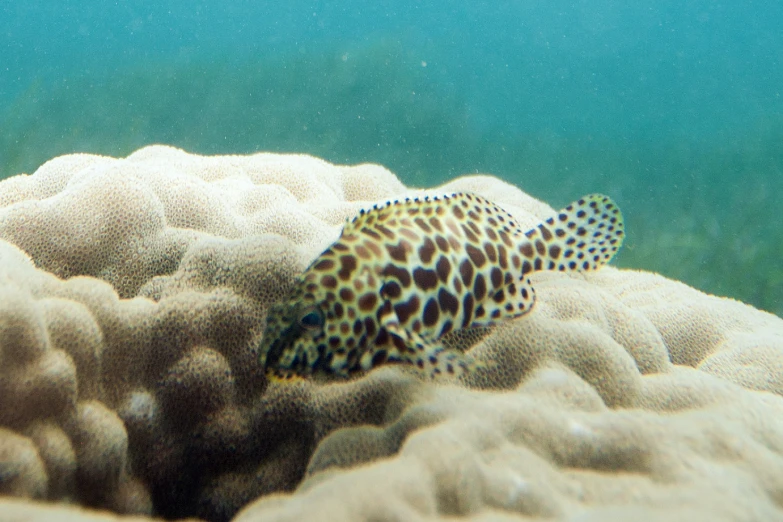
133,295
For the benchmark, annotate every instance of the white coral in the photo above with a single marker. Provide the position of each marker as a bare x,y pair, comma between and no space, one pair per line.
132,299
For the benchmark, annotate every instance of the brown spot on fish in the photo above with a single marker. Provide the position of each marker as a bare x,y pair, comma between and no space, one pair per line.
405,310
496,276
479,287
472,237
373,247
425,279
423,225
476,256
490,233
502,257
467,310
431,312
426,250
347,266
409,234
399,273
448,303
447,326
466,271
398,252
391,290
367,302
506,240
489,249
324,264
443,268
386,232
362,252
369,325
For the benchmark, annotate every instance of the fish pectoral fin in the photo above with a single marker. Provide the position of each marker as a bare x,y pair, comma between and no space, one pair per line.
427,357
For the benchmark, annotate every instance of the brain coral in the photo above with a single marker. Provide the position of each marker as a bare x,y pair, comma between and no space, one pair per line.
132,297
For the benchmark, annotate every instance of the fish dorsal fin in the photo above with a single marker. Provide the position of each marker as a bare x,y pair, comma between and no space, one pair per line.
585,235
396,208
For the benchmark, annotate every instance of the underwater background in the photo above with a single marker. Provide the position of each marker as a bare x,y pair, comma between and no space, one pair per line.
675,109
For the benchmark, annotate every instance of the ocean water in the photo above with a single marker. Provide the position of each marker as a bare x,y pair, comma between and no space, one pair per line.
675,109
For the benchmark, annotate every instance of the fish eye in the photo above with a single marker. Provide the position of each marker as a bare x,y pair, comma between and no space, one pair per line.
312,319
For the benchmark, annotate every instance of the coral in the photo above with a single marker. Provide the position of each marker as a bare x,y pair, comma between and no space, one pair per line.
696,447
132,300
13,510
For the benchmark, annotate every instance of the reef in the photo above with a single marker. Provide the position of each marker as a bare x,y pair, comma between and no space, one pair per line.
133,293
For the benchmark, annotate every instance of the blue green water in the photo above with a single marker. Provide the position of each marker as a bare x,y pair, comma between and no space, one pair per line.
673,108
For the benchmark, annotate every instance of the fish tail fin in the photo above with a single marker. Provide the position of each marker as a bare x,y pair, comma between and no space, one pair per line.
585,235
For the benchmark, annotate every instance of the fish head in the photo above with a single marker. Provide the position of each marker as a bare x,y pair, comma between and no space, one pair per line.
294,341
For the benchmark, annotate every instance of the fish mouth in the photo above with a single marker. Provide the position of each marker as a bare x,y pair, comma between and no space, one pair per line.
272,356
279,346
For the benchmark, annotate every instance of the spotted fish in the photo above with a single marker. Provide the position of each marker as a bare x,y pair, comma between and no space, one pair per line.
404,274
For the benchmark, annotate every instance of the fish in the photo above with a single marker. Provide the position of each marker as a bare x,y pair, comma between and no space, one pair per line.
405,273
